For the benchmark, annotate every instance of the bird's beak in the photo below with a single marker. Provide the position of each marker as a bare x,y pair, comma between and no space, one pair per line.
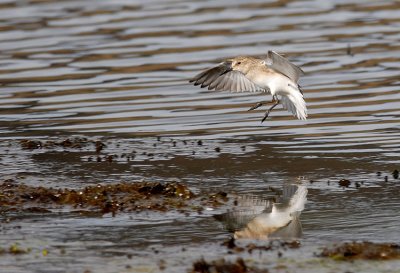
226,67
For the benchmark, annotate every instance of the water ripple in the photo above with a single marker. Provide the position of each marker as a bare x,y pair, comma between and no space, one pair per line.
123,67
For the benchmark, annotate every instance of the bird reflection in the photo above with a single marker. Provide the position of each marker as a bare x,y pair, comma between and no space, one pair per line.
261,218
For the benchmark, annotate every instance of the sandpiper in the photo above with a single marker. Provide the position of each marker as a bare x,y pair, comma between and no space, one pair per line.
275,75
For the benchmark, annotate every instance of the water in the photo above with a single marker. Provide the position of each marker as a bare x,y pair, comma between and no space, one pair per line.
118,71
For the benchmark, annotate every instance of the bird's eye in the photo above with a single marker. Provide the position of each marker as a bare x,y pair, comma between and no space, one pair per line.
238,62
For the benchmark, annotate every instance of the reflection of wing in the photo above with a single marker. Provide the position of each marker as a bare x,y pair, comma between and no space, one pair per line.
246,209
218,79
260,219
293,199
283,65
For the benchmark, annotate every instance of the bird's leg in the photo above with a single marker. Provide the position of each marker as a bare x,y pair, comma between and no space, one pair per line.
275,100
258,104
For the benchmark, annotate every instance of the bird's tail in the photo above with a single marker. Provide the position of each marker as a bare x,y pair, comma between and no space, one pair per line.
294,103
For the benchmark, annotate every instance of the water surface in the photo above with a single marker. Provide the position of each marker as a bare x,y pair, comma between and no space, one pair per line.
118,71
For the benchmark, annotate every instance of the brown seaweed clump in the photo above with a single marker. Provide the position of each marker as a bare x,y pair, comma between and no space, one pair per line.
238,266
111,198
74,143
15,249
344,183
363,250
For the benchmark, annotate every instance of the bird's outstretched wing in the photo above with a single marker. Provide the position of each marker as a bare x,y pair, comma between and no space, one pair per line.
283,65
218,79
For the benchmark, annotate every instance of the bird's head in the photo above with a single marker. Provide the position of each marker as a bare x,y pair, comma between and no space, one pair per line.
241,63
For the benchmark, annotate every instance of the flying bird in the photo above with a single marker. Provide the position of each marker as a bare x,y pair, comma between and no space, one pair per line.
275,75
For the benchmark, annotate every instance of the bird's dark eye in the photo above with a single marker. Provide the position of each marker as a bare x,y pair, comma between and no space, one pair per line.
239,62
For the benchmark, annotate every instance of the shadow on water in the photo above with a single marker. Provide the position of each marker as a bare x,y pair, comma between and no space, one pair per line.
77,75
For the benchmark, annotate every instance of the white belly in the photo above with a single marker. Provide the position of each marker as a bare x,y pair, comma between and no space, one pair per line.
277,84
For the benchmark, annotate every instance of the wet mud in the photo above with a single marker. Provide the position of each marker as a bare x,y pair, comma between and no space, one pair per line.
226,211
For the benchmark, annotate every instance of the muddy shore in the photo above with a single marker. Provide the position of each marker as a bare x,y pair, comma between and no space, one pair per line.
22,201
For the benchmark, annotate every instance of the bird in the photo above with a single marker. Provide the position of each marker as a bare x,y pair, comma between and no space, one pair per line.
255,217
274,74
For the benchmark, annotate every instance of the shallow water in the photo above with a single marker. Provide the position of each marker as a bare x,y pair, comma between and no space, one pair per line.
118,71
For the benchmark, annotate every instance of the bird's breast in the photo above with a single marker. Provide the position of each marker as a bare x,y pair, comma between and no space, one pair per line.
274,81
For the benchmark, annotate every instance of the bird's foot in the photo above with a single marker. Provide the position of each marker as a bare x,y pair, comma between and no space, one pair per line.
258,104
265,116
276,102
